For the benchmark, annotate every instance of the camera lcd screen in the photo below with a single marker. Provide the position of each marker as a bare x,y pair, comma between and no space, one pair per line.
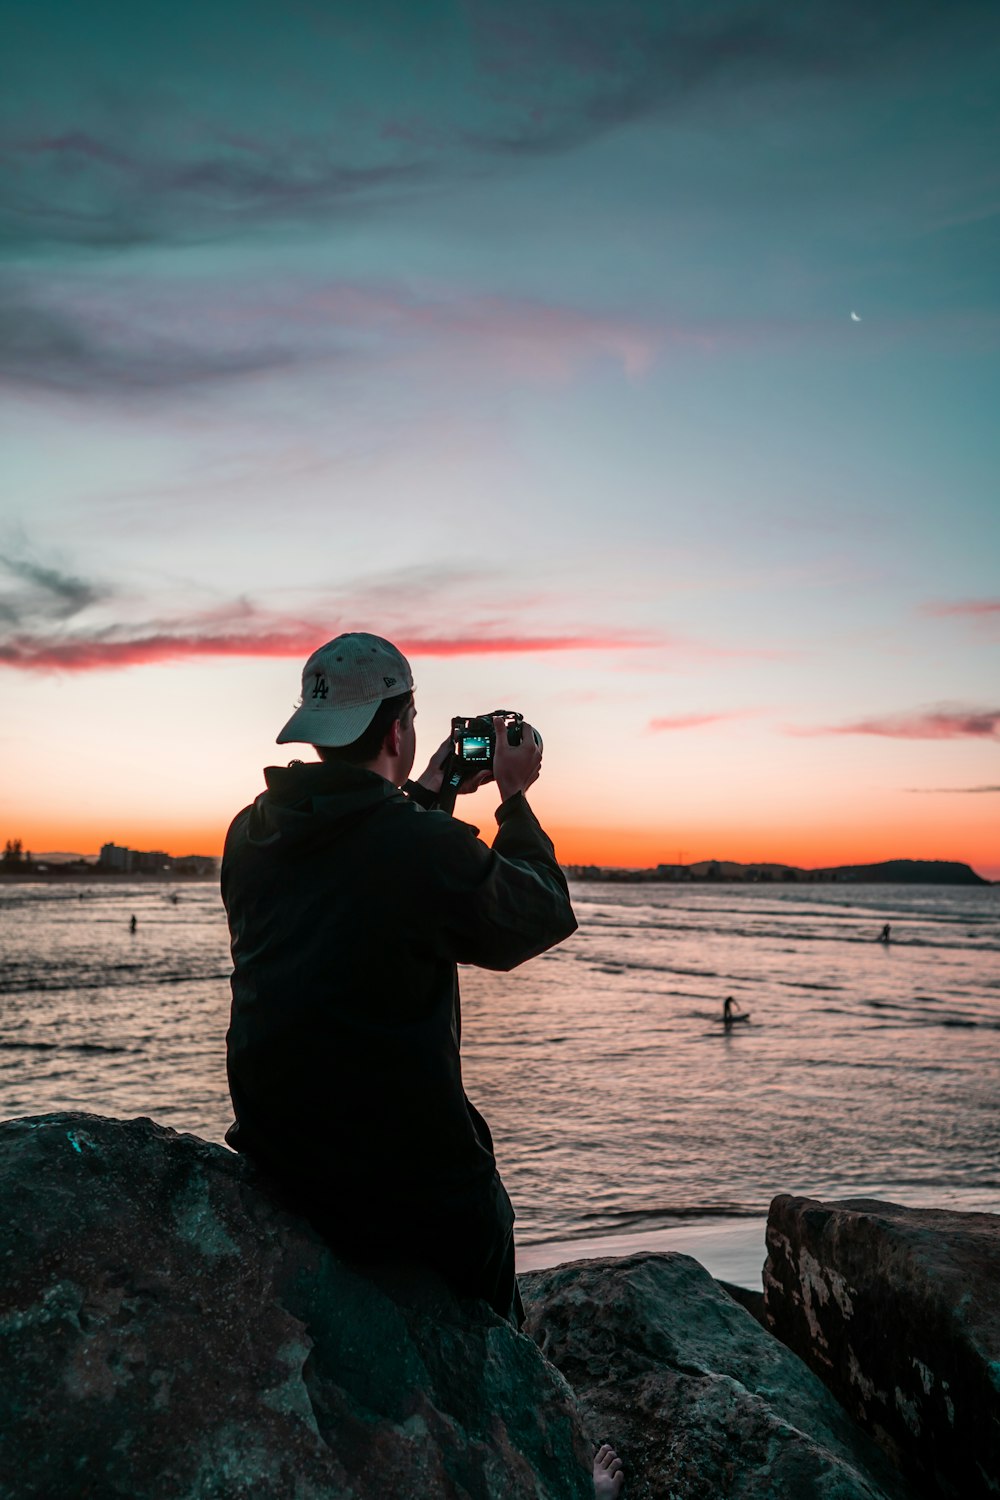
475,748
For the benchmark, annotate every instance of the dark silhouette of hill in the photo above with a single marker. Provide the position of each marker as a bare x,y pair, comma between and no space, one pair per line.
908,872
886,872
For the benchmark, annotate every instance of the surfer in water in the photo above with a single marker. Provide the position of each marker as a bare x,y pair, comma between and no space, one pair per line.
884,934
729,1015
133,924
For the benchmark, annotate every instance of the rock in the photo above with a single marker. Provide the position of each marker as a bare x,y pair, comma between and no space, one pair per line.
751,1300
167,1331
899,1310
698,1399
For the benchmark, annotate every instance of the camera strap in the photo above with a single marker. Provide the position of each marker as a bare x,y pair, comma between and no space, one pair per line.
450,785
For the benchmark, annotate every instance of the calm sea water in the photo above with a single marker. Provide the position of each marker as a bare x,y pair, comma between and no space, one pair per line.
618,1102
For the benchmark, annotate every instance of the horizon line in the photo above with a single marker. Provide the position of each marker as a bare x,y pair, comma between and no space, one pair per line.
62,857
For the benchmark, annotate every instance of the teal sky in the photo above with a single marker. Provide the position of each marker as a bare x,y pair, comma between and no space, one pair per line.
522,334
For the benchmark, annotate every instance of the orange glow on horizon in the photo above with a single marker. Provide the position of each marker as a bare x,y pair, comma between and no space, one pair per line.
807,848
581,845
83,838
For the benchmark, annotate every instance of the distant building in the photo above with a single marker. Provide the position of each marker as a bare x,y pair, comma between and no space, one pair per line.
195,864
115,857
142,861
150,862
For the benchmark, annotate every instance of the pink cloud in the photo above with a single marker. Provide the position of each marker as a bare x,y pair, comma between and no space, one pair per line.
983,614
115,649
688,721
54,620
927,724
120,339
518,335
974,608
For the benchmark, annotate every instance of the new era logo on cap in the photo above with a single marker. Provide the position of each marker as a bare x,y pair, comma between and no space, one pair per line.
343,684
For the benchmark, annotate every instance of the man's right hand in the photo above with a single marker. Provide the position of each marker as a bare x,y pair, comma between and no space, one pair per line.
515,767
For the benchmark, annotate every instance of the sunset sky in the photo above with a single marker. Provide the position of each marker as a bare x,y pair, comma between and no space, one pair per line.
636,366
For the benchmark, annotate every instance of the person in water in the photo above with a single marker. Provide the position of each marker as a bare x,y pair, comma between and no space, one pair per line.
351,900
133,924
884,934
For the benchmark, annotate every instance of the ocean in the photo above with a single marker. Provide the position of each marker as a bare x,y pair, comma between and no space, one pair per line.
625,1115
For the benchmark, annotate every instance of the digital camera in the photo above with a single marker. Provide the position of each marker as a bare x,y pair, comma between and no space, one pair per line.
473,741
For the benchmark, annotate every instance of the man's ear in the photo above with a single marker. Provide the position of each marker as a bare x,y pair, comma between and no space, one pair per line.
394,738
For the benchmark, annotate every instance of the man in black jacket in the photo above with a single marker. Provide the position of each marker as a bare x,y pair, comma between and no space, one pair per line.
350,903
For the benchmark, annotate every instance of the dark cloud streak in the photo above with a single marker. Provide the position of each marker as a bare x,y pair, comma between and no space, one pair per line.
937,791
944,723
79,337
52,348
143,199
541,80
633,61
50,595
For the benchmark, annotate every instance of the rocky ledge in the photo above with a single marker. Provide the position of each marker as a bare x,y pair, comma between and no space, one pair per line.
170,1331
898,1310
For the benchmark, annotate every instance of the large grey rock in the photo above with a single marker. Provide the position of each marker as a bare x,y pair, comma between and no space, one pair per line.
698,1399
899,1310
167,1331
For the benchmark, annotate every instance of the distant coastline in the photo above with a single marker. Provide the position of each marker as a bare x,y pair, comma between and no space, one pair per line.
116,861
94,874
704,872
718,871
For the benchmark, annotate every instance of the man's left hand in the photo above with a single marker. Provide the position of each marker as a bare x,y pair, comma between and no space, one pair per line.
433,777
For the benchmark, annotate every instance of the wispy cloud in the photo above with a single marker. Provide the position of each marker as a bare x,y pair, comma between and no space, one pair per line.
44,624
522,335
936,791
115,338
624,62
982,614
95,338
620,61
36,593
142,162
107,347
690,721
971,608
944,723
118,647
147,195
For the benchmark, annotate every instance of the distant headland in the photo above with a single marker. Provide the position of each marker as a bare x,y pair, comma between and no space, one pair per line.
713,871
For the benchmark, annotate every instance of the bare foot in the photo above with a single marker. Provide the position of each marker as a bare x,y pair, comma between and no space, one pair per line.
608,1476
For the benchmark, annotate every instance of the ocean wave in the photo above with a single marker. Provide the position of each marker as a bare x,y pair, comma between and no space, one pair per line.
662,1216
36,984
601,963
7,1046
864,937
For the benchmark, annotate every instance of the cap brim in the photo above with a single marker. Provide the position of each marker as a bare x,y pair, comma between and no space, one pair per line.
318,724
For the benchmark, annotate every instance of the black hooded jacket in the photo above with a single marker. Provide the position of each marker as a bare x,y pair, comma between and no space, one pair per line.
349,907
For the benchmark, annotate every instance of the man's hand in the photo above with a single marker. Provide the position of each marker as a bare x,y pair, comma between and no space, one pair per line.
516,767
433,777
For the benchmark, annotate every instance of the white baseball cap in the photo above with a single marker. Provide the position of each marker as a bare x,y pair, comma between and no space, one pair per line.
343,684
